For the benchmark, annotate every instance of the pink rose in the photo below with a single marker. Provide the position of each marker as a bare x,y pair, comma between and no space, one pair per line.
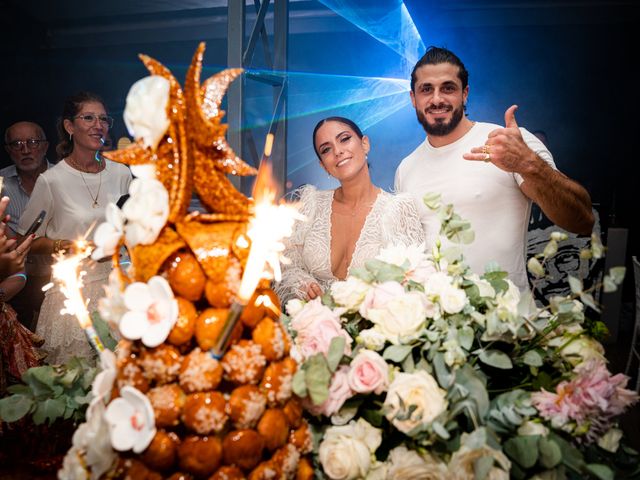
378,297
313,312
369,373
317,337
339,392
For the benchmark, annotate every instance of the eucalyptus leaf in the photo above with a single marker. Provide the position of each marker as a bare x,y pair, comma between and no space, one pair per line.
317,378
496,358
14,407
396,353
533,358
523,450
431,200
465,337
362,273
550,249
482,466
600,471
589,301
469,379
440,430
550,453
299,383
336,351
103,331
575,284
51,409
535,267
443,374
617,274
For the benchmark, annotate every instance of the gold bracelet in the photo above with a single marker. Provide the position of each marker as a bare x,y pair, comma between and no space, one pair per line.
57,245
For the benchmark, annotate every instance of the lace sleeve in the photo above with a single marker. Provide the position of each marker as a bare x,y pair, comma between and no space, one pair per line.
295,276
402,222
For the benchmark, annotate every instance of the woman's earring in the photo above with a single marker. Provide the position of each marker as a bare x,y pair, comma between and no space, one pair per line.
71,137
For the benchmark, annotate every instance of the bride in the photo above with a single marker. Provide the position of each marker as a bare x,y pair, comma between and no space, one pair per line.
347,226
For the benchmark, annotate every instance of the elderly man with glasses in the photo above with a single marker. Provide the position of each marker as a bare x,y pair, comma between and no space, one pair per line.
26,144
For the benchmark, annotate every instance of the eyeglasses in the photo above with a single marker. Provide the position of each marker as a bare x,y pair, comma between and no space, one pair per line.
31,143
90,118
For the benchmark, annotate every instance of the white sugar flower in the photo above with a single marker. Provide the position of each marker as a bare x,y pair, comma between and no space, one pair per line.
108,234
92,441
103,381
111,307
131,421
146,211
145,113
153,311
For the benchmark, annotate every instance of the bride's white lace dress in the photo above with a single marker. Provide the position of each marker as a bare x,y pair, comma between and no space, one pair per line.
393,219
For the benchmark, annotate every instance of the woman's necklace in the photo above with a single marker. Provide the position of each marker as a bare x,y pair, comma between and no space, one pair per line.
95,203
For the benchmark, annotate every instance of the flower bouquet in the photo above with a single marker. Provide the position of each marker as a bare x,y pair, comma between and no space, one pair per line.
415,367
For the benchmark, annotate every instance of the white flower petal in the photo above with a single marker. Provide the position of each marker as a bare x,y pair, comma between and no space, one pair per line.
133,325
155,334
138,297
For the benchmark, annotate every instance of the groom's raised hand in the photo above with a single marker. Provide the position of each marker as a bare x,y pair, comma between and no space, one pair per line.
505,147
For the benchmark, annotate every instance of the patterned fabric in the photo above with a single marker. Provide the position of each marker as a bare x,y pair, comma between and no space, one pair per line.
18,350
393,219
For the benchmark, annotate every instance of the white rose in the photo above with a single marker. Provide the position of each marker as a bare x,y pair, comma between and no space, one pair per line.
582,349
378,471
294,306
436,284
453,299
345,452
145,113
405,464
610,441
532,428
372,339
462,463
349,293
419,389
402,319
484,287
508,301
420,267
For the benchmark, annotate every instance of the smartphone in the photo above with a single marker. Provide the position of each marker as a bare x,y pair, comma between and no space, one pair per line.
36,224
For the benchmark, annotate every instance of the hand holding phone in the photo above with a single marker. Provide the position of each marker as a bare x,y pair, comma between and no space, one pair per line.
35,225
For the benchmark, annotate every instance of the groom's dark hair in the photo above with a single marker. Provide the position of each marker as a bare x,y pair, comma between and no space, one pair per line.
436,56
344,120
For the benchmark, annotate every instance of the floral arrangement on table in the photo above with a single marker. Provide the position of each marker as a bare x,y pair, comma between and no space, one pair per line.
415,367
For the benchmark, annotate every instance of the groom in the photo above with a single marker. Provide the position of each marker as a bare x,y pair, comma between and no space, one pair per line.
490,173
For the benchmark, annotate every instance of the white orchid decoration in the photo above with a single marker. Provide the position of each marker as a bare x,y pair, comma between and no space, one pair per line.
141,219
103,381
145,113
152,311
131,421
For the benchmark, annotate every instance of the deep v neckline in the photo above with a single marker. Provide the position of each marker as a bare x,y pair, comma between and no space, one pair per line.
358,241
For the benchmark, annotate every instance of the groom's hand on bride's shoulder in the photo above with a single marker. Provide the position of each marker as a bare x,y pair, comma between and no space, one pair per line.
313,291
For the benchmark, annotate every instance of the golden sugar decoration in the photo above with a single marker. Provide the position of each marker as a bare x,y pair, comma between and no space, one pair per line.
147,259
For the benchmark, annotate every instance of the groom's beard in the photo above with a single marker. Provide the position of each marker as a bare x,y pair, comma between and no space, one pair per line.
441,128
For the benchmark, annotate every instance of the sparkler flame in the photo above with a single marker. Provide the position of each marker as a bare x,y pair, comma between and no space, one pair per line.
270,223
65,270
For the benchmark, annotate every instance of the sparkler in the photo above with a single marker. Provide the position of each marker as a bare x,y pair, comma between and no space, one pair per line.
65,270
270,223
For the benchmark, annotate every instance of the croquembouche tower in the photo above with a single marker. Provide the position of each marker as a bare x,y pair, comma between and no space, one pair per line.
200,383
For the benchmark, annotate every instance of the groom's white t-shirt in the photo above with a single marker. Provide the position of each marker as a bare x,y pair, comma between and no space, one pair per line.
480,192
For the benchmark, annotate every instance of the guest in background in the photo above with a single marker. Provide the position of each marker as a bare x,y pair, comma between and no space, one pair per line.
26,144
74,194
347,226
17,343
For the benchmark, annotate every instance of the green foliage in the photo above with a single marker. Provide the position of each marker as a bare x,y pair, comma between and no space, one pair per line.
508,410
50,392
